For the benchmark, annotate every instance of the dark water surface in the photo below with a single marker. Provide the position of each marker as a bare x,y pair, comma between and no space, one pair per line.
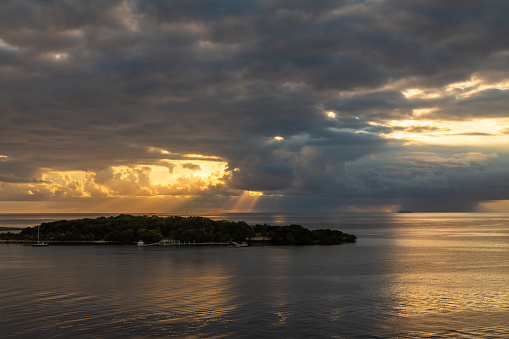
409,275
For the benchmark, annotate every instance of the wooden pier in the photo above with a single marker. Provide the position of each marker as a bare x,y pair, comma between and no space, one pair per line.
176,243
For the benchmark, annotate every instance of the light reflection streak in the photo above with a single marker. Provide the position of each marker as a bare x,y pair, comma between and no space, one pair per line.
441,293
442,282
208,296
279,288
161,290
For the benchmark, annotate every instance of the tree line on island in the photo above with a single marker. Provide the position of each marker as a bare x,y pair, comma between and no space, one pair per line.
127,229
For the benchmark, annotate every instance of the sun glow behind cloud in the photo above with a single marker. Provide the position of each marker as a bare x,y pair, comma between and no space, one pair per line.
475,132
459,90
210,171
469,88
427,125
168,178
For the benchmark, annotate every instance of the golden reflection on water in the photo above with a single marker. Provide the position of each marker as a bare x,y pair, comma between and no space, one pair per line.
436,277
159,289
420,294
209,295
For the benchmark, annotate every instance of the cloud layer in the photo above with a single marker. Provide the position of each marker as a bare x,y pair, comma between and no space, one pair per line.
377,104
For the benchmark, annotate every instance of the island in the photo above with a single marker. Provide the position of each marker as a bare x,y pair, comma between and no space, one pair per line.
130,229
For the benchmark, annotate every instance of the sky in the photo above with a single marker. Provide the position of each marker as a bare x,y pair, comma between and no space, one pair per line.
280,106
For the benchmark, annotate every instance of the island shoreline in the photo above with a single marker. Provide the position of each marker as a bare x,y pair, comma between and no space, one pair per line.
130,229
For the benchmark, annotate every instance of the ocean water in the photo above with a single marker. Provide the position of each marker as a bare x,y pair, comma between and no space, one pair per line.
408,276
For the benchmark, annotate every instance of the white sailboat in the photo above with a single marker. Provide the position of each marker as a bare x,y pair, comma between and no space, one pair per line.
39,244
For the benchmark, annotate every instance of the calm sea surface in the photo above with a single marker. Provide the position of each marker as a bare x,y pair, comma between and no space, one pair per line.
409,275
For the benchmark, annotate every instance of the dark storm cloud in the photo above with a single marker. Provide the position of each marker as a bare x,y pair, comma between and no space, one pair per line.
90,85
378,104
425,181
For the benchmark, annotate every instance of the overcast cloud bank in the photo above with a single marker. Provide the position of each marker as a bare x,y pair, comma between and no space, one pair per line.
376,105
